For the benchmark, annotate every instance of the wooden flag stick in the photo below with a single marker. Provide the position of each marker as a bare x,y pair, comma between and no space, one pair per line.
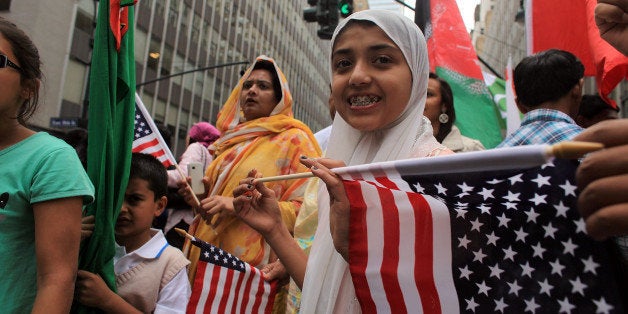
573,149
184,234
563,150
286,177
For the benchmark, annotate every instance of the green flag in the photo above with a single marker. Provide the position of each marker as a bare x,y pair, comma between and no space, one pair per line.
110,125
497,88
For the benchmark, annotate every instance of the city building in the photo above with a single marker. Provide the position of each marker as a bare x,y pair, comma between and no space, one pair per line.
172,37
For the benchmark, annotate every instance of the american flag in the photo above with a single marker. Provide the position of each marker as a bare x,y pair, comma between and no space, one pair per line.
225,284
483,242
147,139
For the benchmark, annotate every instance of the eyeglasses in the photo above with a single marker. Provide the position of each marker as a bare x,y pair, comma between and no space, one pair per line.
5,62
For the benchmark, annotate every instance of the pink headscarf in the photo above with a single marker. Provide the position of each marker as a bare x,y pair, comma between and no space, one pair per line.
204,133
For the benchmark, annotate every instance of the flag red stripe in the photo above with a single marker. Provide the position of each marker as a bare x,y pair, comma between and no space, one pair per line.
145,145
271,300
390,256
259,293
424,259
215,290
227,290
358,248
247,289
196,293
236,297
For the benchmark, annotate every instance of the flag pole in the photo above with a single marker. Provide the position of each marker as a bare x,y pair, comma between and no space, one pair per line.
184,234
518,157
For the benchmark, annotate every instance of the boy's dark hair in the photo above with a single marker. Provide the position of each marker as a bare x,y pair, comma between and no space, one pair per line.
147,167
592,105
546,76
270,67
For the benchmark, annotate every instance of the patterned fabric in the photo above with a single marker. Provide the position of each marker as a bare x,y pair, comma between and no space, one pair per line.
543,126
272,145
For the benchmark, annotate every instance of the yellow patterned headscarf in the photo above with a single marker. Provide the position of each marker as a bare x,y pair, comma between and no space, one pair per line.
230,116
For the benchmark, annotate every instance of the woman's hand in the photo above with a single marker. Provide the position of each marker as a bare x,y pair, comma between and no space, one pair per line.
602,179
185,190
339,203
257,205
216,208
275,270
87,226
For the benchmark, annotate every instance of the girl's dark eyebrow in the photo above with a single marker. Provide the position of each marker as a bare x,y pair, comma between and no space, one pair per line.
377,47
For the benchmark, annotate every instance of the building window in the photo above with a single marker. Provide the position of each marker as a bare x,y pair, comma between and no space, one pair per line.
5,5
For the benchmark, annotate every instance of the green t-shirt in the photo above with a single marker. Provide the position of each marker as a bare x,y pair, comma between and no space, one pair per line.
39,168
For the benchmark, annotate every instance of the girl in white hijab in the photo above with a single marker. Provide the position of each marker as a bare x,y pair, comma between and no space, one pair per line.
379,74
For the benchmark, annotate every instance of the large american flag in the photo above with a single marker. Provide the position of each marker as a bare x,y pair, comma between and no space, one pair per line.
147,139
483,242
225,284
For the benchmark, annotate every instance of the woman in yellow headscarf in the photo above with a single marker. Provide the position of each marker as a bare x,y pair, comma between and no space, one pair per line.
259,132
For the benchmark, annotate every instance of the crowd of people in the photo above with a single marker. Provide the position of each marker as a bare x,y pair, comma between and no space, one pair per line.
385,106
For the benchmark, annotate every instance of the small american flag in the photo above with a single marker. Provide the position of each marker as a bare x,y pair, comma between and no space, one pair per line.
147,139
225,284
483,242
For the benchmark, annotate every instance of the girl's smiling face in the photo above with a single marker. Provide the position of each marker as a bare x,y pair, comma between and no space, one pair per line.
371,80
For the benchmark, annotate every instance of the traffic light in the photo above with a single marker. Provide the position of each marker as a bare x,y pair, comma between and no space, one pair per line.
311,14
325,12
345,7
328,20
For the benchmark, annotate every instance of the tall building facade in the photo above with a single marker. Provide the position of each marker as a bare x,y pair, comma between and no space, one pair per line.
500,31
172,37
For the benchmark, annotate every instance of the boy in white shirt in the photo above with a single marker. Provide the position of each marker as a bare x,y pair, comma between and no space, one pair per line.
151,276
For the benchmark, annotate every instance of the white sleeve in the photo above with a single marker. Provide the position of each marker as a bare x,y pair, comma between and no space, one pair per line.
174,297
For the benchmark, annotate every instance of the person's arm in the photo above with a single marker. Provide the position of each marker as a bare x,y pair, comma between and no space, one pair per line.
611,17
57,240
602,179
257,206
91,290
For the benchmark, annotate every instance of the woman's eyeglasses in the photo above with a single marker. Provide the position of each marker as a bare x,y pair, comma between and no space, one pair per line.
5,62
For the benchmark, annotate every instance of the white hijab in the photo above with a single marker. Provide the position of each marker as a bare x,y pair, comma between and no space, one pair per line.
328,287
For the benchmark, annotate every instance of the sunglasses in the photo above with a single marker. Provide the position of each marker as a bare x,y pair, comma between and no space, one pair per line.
5,62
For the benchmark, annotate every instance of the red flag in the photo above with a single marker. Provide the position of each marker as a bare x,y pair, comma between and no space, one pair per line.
225,284
147,139
570,25
482,242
